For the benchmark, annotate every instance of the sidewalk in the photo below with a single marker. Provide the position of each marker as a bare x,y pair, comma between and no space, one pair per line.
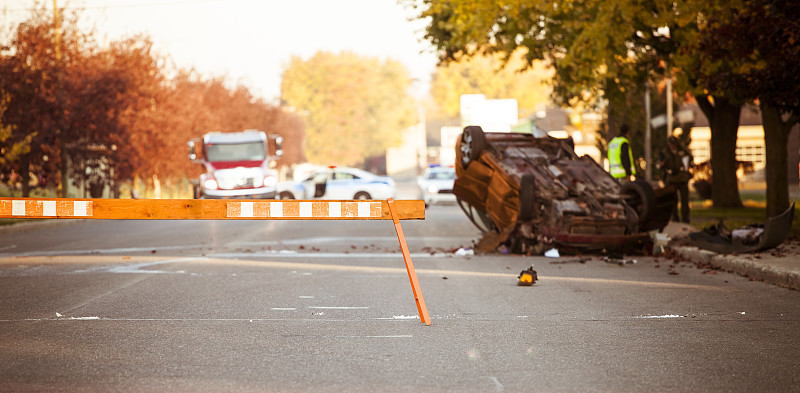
779,266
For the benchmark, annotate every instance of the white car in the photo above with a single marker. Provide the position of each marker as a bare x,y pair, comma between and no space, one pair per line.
436,184
339,183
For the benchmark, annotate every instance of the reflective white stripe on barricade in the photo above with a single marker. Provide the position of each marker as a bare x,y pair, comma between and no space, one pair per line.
37,208
304,209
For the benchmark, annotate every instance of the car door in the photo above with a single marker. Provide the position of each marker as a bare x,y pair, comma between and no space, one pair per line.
315,186
341,185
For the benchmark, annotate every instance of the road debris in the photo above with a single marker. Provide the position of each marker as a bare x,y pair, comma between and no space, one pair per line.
619,261
464,252
747,239
527,277
551,253
571,260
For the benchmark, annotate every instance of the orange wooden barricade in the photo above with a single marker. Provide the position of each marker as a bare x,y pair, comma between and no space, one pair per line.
211,209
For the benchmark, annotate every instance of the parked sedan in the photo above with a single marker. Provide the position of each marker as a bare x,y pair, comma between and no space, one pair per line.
436,184
339,183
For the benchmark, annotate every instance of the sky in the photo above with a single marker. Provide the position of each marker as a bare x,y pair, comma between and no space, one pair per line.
250,41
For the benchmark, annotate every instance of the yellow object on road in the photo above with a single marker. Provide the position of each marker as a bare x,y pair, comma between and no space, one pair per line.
527,277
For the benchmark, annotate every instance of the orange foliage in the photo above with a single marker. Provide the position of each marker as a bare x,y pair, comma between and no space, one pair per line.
116,106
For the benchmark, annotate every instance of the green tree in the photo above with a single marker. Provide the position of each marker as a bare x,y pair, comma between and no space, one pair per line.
596,46
354,107
762,38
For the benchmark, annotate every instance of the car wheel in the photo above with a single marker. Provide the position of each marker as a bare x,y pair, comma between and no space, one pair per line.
285,195
642,198
473,141
527,186
362,195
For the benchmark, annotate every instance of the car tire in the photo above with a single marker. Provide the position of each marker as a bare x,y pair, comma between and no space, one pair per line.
362,195
473,141
285,195
527,186
643,198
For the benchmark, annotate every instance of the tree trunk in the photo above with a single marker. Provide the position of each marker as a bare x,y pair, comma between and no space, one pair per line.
723,118
156,187
64,178
25,174
776,138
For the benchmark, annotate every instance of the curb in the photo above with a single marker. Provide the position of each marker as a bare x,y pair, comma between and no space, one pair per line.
35,224
745,267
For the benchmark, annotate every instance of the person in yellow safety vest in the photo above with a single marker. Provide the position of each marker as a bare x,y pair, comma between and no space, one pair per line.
620,156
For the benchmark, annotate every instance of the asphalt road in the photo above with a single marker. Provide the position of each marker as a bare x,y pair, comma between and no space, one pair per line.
284,306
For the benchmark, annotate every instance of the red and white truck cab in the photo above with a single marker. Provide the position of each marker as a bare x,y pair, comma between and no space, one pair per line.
236,164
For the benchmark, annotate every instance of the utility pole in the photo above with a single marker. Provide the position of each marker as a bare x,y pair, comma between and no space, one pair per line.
669,102
648,139
62,187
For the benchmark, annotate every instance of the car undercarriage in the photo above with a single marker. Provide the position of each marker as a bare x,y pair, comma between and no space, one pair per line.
529,194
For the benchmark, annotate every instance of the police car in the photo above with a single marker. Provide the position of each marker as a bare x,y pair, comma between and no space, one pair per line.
436,184
339,183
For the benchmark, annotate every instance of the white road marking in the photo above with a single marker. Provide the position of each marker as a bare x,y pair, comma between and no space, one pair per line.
137,267
306,266
311,255
498,387
341,239
61,319
337,308
395,336
122,250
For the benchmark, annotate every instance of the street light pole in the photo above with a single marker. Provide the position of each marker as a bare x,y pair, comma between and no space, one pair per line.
669,101
63,186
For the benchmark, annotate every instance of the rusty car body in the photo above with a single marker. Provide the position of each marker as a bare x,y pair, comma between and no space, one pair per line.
532,193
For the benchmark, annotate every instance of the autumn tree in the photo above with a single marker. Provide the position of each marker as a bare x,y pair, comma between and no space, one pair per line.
110,112
10,150
108,119
354,107
193,105
489,76
596,46
32,68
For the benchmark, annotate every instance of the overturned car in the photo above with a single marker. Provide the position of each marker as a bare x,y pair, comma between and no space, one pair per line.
532,193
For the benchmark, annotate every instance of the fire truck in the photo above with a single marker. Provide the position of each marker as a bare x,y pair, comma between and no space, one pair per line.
236,164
